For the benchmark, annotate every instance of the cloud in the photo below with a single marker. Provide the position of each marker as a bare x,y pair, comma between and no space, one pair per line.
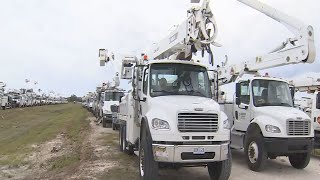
56,42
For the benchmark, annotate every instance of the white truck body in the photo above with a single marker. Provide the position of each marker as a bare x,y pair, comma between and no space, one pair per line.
196,124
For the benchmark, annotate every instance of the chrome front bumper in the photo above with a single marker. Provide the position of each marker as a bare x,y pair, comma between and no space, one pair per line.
185,153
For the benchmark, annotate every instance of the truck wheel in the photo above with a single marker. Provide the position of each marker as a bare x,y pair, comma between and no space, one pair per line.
104,122
121,142
254,149
148,168
299,161
3,107
220,170
113,126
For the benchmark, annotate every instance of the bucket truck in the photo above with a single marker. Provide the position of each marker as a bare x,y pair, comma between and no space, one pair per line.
111,94
3,97
264,121
169,117
310,104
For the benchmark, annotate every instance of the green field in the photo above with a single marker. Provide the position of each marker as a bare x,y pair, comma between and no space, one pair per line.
22,128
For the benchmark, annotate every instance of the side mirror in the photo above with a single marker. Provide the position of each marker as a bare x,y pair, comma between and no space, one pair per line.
144,99
292,90
318,101
243,106
238,93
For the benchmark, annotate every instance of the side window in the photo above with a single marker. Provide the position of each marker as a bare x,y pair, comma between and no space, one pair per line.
145,82
245,93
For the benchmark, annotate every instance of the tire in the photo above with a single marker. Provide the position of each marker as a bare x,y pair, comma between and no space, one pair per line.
3,107
148,168
256,155
220,170
104,122
299,161
121,140
113,126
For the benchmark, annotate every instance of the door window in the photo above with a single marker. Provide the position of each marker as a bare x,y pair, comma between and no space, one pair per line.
245,93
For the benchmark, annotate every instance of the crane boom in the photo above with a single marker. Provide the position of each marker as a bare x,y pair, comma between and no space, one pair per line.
190,36
105,58
309,84
300,49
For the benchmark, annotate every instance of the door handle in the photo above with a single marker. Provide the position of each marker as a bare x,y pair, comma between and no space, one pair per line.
236,114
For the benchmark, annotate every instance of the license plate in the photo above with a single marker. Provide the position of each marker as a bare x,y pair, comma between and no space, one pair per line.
198,150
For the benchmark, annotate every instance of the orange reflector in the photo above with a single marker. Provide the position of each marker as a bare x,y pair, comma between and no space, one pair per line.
318,119
145,57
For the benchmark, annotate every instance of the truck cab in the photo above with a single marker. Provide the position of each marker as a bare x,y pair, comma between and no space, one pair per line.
171,118
266,124
110,103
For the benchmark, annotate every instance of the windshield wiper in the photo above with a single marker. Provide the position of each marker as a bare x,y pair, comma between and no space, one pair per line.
283,104
199,93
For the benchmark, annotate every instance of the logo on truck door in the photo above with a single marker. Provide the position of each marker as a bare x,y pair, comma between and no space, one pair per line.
243,115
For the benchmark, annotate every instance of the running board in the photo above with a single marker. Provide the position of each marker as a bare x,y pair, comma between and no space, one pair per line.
237,139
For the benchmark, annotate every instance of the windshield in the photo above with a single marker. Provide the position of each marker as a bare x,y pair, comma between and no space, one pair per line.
113,96
179,79
271,93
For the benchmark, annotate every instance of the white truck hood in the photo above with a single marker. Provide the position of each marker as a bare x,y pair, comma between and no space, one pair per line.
278,116
190,103
107,106
281,112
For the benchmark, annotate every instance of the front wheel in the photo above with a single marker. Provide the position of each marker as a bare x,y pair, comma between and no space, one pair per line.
104,122
220,170
148,167
299,161
256,155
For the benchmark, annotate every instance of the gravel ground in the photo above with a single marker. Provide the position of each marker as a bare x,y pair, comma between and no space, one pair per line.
278,169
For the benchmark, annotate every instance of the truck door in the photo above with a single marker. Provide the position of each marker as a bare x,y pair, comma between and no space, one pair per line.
144,93
242,108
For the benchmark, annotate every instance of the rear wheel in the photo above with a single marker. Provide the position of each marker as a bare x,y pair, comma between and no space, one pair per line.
148,168
256,155
121,140
104,122
220,170
299,161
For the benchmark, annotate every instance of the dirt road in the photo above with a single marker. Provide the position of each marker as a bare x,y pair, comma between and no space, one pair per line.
64,142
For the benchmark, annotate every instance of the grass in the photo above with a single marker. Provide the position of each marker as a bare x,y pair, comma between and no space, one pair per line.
21,128
317,152
128,164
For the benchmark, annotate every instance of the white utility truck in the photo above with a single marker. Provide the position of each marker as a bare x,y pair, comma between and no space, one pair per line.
112,93
111,101
264,121
169,115
310,103
3,97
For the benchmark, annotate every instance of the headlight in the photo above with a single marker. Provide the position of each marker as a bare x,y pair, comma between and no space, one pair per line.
272,129
226,124
160,124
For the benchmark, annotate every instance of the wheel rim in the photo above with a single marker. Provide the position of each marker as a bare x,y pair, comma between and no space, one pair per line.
253,152
141,164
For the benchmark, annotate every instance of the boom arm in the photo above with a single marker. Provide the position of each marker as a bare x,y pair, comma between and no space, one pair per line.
306,84
300,49
105,58
190,36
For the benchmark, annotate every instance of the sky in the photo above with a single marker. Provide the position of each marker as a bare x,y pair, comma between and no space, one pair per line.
56,42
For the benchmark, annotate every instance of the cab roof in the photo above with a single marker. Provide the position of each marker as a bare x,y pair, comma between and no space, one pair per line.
166,61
